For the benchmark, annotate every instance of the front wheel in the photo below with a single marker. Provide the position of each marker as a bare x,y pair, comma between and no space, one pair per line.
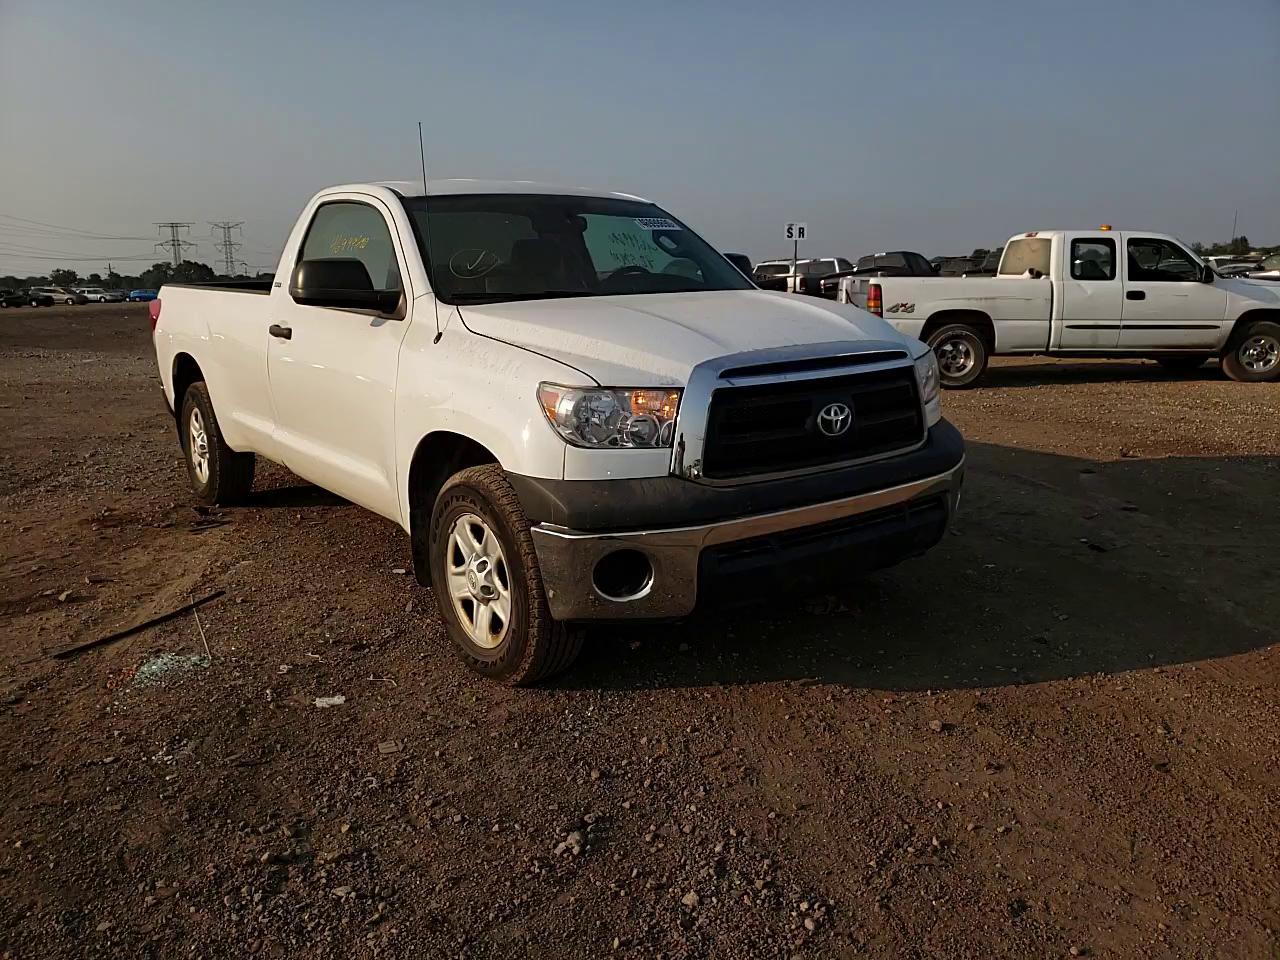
219,475
1254,357
962,355
488,585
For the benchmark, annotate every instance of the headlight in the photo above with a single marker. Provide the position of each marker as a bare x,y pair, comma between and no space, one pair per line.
927,377
611,417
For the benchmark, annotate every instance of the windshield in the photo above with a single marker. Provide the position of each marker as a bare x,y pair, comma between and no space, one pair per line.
487,248
773,269
882,260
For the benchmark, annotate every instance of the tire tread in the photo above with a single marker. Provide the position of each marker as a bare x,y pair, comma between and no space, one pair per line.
552,646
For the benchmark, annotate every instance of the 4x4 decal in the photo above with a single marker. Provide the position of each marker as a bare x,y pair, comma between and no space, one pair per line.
901,308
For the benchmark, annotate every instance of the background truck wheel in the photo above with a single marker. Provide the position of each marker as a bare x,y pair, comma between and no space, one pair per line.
962,354
485,575
1254,355
219,475
1182,364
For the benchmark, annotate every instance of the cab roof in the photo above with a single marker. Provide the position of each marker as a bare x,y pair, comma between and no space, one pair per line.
414,188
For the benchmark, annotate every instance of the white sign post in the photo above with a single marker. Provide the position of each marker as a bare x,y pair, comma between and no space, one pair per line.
795,232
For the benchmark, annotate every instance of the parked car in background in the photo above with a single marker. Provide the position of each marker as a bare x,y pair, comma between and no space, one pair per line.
64,295
1092,293
807,278
895,263
141,296
1220,260
120,295
987,266
567,429
957,266
1268,269
25,298
742,262
98,295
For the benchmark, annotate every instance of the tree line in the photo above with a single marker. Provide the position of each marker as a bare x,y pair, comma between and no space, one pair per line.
154,277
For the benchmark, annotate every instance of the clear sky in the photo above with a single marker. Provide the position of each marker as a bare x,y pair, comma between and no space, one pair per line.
931,125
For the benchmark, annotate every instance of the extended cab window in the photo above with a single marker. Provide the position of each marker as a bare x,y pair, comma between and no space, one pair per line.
1154,261
1093,259
1026,253
355,231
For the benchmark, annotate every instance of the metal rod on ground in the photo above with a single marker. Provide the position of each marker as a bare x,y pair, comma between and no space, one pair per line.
195,612
136,628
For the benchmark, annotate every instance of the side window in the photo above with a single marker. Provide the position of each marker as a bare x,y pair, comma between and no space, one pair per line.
1159,261
843,264
1093,259
354,231
919,265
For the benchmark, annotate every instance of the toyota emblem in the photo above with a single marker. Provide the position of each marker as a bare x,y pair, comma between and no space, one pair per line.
835,419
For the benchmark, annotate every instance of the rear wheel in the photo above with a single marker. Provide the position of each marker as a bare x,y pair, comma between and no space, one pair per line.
488,585
1182,364
1254,356
219,475
962,354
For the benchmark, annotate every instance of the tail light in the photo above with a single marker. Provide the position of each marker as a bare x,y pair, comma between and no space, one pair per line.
153,308
875,300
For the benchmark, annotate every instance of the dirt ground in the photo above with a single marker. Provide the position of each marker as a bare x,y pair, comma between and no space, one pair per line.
1058,734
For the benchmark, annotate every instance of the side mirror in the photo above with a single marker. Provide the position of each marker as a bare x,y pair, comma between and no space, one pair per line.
1206,274
342,284
741,261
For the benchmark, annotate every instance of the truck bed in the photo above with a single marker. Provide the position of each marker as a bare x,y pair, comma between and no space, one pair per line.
230,286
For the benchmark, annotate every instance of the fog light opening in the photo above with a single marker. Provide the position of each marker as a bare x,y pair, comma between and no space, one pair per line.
623,575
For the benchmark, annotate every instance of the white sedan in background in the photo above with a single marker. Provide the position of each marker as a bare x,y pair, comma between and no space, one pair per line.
99,295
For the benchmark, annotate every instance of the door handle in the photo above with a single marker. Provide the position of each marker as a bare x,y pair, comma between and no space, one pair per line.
1135,294
284,333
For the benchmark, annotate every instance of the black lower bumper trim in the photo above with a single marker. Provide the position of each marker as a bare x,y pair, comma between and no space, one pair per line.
612,505
812,559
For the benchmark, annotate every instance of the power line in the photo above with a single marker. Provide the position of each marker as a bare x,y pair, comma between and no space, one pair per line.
87,234
175,244
227,245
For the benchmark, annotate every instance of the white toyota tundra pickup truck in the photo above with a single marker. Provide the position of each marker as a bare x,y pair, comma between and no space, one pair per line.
577,409
1091,293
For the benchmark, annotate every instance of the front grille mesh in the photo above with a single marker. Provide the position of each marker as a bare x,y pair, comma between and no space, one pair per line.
773,428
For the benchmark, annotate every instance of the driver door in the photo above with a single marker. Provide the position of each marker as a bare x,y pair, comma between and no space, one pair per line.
333,371
1165,303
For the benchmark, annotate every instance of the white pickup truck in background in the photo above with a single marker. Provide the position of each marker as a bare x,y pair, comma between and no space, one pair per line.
1085,293
574,406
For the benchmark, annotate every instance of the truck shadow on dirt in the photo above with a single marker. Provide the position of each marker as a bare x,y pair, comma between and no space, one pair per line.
1056,567
1060,373
294,496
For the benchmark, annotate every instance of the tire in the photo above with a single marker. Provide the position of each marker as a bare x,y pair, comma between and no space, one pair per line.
529,646
1182,364
962,355
1254,354
224,477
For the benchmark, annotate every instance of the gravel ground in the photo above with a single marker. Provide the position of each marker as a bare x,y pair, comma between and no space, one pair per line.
1058,734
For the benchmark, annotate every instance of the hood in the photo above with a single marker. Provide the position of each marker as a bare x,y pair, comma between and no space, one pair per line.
1246,293
657,339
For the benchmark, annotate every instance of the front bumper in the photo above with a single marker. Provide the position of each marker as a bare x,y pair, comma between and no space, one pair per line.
746,556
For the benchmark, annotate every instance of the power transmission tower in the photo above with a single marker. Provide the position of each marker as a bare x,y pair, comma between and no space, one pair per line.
175,244
227,245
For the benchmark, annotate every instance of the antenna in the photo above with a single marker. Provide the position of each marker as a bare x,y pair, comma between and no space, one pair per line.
426,221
